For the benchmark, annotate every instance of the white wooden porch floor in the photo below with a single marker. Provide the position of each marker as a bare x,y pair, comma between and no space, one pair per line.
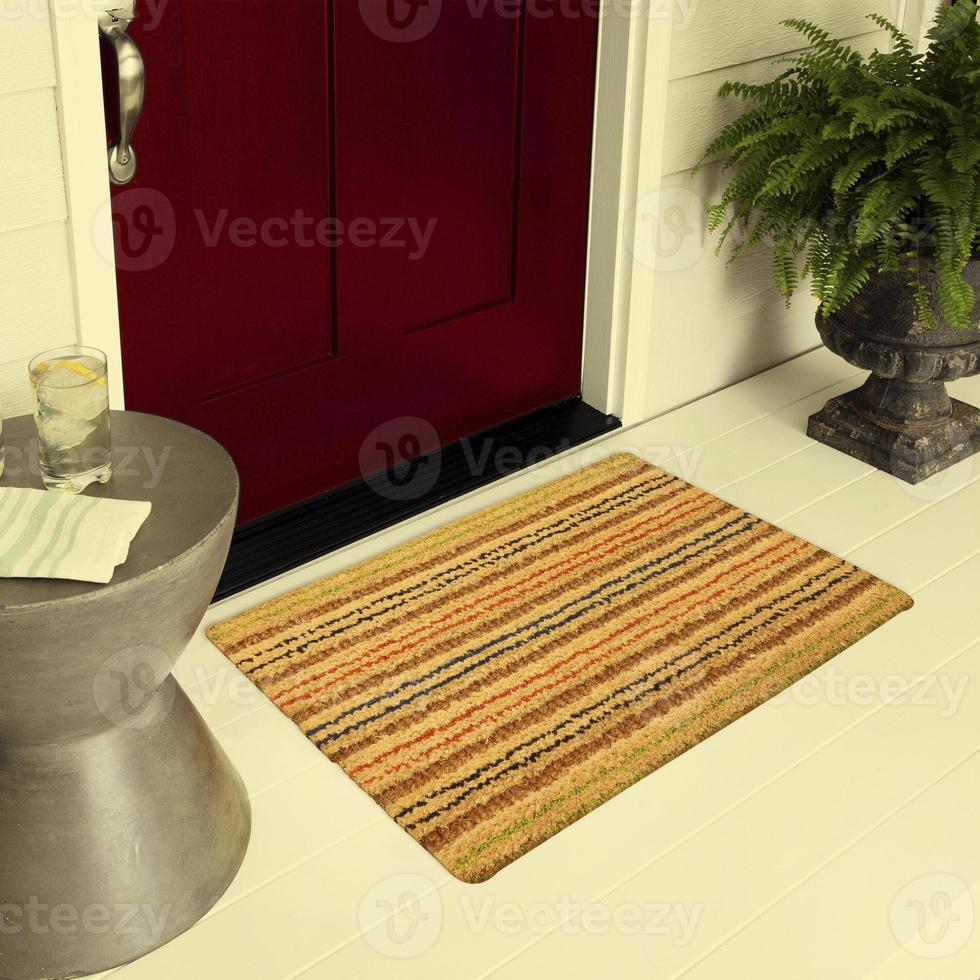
830,833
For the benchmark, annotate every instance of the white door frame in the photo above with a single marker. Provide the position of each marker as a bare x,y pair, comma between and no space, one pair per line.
631,106
631,92
74,28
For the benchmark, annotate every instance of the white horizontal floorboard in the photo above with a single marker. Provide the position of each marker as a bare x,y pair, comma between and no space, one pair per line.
875,773
756,446
863,510
746,818
858,903
727,410
795,482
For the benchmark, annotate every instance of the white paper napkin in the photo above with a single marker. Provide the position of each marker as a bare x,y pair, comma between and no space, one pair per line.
59,535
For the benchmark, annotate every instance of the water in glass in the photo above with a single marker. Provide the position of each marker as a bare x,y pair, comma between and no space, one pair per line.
71,411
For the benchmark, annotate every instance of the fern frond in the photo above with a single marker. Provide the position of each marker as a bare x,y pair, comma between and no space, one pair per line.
785,271
849,174
903,46
965,151
903,143
953,21
848,165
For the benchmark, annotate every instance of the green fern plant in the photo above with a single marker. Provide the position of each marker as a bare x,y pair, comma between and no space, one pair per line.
849,165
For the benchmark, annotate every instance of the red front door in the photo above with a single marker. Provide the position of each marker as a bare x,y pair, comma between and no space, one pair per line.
349,212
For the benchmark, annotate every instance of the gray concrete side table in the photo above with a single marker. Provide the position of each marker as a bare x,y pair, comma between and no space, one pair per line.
121,820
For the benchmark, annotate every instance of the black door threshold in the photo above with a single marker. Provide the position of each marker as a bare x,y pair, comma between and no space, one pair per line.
304,531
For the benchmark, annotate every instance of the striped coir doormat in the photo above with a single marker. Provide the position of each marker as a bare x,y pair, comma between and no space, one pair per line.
496,679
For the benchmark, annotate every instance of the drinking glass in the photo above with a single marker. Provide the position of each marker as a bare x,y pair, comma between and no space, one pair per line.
71,412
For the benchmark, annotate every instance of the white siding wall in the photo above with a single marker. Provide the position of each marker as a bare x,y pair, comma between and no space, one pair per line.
715,325
36,297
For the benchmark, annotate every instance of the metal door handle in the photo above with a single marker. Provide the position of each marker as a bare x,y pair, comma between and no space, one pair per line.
132,85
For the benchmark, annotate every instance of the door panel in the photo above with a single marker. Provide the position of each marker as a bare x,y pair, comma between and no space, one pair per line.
361,228
259,142
439,155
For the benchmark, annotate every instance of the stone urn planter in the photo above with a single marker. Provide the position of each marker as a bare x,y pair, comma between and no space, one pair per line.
901,419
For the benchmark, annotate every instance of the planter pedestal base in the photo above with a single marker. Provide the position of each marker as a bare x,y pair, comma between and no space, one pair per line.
902,419
913,450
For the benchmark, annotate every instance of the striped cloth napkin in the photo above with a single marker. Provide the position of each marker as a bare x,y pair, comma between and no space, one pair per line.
59,535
